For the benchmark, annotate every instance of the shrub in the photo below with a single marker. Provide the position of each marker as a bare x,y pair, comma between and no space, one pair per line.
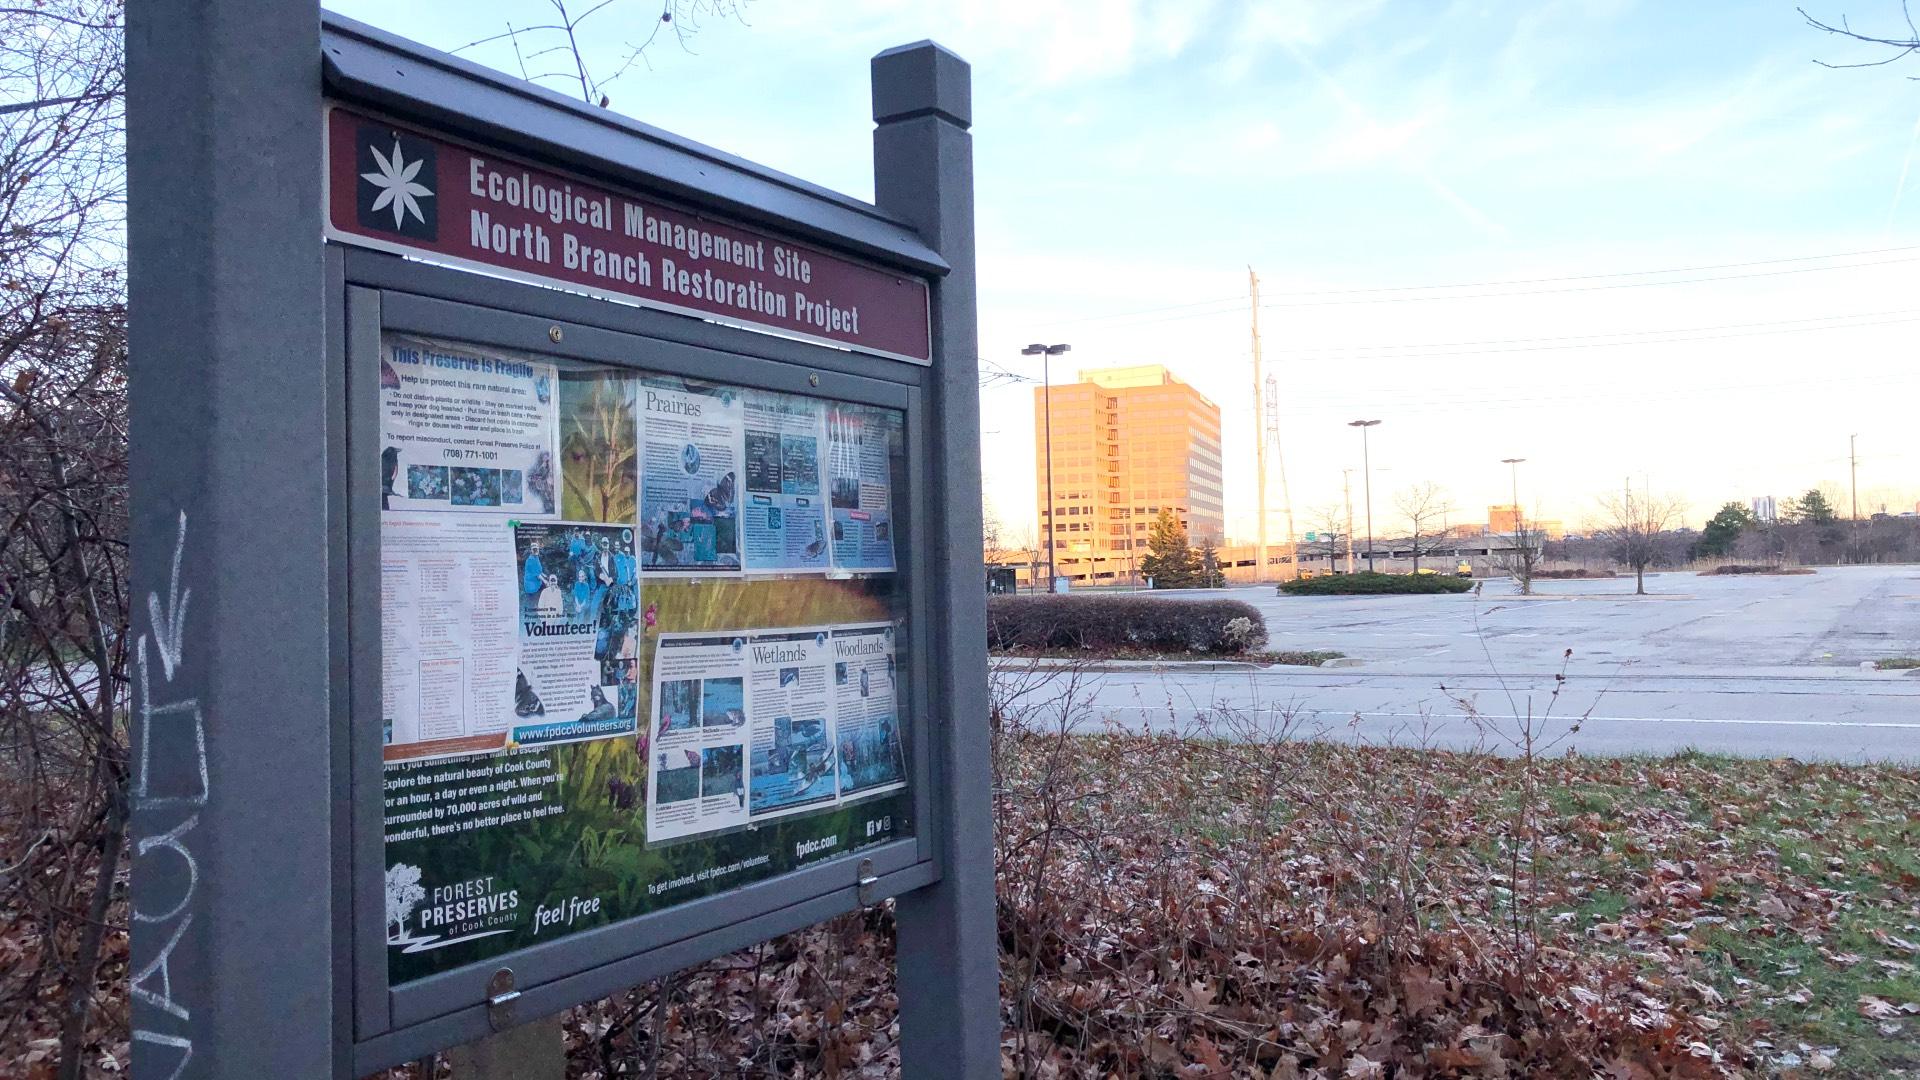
1123,622
1732,569
1242,634
1372,584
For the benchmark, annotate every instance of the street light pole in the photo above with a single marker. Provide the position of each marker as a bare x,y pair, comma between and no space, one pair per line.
1366,475
1046,353
1513,466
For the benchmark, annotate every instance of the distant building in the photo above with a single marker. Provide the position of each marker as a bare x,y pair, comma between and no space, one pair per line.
1764,509
1128,442
1505,519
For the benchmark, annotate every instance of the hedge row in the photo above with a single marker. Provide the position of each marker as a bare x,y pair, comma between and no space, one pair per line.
1371,584
1101,623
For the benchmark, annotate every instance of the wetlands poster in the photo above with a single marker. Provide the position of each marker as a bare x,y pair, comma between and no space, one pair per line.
615,772
465,429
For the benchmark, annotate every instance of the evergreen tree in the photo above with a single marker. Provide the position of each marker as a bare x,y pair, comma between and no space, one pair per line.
1717,538
1169,562
1211,576
1813,509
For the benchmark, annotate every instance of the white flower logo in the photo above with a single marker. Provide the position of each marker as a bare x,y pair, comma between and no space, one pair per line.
397,186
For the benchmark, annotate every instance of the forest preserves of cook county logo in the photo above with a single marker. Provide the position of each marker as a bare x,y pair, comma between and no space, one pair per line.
421,918
398,183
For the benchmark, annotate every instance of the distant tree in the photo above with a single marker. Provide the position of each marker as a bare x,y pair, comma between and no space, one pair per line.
1763,543
1522,560
1723,531
1169,562
1813,508
991,540
1327,540
1208,558
1633,529
1424,507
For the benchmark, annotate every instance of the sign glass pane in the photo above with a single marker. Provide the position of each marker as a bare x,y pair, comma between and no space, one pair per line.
643,640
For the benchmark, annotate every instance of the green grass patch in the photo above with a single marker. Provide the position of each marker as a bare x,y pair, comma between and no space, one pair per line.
1898,663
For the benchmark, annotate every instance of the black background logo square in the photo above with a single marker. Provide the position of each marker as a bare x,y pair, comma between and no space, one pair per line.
423,225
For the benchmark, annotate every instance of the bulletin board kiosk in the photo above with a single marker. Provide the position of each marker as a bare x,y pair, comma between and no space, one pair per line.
642,487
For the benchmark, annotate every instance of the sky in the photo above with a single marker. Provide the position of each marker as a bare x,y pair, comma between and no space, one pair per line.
1647,242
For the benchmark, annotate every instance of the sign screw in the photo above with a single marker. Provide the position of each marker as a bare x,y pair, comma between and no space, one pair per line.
813,379
554,334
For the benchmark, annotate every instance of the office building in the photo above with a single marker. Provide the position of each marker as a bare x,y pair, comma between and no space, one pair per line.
1127,443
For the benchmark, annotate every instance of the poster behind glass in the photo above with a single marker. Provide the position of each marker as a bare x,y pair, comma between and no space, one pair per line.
643,640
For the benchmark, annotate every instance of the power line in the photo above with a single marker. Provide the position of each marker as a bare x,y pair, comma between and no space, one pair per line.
1595,288
1587,395
1613,274
1143,311
1614,333
1362,293
1616,344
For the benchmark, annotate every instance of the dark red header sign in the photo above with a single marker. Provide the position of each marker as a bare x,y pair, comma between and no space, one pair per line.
399,190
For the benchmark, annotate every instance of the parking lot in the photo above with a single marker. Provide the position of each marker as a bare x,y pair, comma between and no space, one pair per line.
1762,666
1838,617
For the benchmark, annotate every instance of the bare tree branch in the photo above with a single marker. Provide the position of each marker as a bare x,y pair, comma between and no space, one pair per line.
1904,47
565,36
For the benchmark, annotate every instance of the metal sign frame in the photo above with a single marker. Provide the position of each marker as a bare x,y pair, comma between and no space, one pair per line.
259,943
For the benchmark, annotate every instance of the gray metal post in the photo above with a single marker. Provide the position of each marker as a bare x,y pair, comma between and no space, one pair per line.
948,954
233,958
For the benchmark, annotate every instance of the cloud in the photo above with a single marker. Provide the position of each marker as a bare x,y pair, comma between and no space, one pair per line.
1026,44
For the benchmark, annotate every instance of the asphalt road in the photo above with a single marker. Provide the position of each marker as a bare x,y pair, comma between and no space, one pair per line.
1758,666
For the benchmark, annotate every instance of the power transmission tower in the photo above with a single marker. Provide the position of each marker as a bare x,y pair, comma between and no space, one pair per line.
1853,470
1259,436
1280,461
1346,486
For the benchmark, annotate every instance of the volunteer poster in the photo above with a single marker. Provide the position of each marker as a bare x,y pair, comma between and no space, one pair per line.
861,443
579,619
866,709
784,511
690,440
447,635
464,429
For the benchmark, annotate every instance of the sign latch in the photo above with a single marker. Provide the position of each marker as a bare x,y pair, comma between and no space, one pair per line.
866,881
500,1000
